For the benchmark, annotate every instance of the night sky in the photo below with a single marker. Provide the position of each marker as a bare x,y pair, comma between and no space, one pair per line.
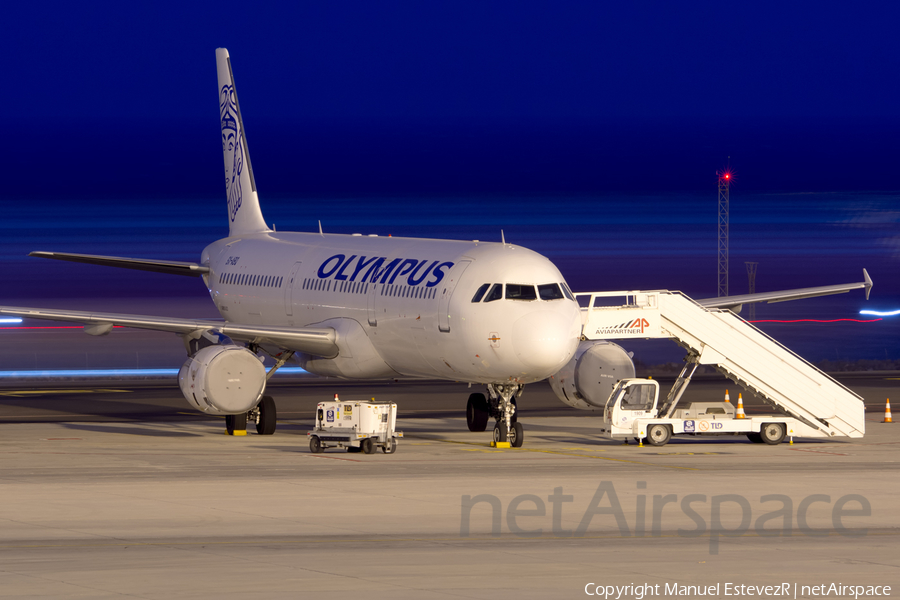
589,132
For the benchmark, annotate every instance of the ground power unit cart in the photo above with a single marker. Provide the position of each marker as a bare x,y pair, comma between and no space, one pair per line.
356,426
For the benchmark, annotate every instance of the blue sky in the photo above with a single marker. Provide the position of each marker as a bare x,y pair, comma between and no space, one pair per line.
430,97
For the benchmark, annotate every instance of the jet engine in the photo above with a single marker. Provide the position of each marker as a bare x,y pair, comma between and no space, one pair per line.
589,378
223,380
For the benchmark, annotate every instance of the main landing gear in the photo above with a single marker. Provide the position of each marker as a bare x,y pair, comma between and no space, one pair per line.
502,407
263,415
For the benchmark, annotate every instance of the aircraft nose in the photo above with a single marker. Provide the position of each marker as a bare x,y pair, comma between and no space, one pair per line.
545,340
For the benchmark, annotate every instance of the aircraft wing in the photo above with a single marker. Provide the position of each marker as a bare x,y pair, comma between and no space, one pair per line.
735,302
319,341
171,267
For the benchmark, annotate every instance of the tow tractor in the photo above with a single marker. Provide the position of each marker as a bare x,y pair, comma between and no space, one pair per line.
632,411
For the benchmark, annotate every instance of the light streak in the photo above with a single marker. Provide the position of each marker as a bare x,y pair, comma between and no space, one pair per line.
56,327
892,313
816,321
51,374
10,320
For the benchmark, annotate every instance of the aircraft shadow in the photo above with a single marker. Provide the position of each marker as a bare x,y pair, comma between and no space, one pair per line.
141,431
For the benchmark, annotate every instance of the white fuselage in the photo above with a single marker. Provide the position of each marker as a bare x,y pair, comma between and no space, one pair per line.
402,306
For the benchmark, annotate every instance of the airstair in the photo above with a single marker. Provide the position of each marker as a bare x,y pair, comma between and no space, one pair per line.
735,347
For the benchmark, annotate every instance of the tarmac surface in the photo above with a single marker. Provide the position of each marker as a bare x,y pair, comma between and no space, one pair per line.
128,494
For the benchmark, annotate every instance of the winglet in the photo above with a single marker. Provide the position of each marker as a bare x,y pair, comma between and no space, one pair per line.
868,283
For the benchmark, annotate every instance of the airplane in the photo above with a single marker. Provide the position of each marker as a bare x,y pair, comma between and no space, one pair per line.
369,307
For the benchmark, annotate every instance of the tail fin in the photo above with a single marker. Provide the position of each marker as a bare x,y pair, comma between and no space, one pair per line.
244,215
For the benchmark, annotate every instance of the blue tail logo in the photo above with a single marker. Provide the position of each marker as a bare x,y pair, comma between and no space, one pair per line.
233,147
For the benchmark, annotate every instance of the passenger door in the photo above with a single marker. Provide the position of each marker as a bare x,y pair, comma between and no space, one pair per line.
447,287
370,304
289,290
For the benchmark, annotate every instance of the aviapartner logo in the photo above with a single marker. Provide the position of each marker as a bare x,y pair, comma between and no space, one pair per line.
633,326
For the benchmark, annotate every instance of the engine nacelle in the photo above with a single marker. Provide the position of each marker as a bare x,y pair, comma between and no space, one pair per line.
223,380
589,378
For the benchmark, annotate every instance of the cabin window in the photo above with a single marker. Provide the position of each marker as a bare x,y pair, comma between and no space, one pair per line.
496,293
479,294
516,291
550,291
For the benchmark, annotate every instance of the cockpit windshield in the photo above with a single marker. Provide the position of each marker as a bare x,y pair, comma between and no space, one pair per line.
496,293
516,291
522,292
550,291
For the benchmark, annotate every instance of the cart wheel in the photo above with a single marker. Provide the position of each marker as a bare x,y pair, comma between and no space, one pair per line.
315,446
368,446
755,438
772,433
390,446
265,425
658,435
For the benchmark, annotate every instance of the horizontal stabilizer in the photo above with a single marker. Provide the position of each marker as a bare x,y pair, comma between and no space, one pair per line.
170,267
733,302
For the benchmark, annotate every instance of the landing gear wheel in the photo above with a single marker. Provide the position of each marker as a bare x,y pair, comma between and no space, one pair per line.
658,435
772,433
477,412
500,432
390,446
755,438
315,446
235,423
368,446
517,436
265,423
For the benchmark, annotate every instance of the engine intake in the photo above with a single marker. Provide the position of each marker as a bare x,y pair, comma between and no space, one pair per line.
589,378
224,380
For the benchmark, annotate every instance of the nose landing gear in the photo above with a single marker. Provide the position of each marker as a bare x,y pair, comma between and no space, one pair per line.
503,408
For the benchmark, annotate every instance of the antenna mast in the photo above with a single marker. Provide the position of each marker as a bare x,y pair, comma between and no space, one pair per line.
724,181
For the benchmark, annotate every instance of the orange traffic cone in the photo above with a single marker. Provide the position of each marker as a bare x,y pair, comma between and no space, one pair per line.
887,412
727,399
740,409
336,398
